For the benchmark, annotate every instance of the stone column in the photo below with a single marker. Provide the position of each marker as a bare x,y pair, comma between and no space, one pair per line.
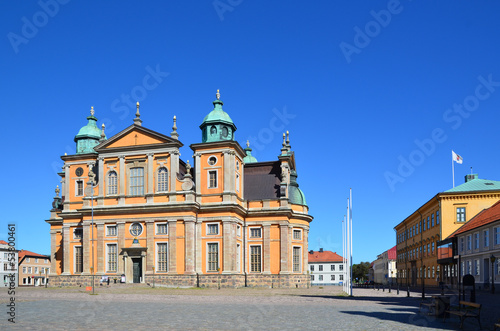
189,227
67,180
86,248
266,251
174,169
227,242
198,255
102,180
150,243
121,180
172,246
66,250
150,188
305,250
120,228
284,249
197,176
53,250
101,254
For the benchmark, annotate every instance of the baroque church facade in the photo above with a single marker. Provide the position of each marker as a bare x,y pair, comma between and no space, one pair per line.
130,206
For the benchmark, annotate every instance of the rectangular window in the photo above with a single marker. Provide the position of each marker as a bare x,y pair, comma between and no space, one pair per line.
462,247
36,270
432,219
78,259
27,259
486,238
433,247
341,267
238,231
297,234
255,233
496,233
468,267
332,277
255,258
437,217
161,228
312,277
24,270
162,180
320,267
237,182
212,179
320,277
29,270
78,233
111,230
469,242
424,225
212,228
476,240
36,260
460,214
213,256
112,183
312,268
296,259
136,181
341,277
79,188
476,267
428,223
112,257
332,267
162,256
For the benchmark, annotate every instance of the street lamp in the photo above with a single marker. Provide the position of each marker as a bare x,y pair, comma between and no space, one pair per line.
492,259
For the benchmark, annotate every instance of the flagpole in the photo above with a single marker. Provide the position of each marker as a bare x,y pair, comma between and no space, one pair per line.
343,252
347,249
453,169
350,232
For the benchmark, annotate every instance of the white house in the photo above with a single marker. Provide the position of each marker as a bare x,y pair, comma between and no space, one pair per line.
384,267
8,264
325,268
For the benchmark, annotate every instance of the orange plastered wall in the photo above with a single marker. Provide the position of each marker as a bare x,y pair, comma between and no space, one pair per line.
217,198
135,138
205,167
275,249
59,253
180,231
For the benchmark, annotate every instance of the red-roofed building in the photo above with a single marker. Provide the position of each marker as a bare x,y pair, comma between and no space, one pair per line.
34,268
476,242
384,267
325,267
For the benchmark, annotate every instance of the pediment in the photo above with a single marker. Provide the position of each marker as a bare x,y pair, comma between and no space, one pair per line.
136,135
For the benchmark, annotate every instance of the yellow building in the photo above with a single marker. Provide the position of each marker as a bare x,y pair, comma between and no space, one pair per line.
417,236
130,206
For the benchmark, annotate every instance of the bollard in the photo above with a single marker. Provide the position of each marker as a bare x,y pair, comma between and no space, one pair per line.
397,290
383,288
389,288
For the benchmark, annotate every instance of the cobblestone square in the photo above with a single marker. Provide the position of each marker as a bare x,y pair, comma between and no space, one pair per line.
142,307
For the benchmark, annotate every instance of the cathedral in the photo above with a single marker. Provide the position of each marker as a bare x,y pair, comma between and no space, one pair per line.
130,209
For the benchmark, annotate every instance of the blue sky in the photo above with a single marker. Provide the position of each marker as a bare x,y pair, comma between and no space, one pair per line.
375,95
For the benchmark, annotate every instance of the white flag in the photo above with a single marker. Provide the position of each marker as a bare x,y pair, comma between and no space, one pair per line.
457,158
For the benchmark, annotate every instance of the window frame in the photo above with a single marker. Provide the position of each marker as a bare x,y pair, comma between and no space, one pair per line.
136,182
209,225
208,245
257,263
78,263
75,237
461,215
216,180
79,192
110,261
162,186
299,258
486,238
157,256
108,227
299,231
157,227
255,228
112,183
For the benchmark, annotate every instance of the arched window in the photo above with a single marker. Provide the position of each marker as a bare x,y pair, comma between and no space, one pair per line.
112,183
163,180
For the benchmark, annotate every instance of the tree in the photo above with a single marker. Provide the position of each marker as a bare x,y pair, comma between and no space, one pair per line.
360,271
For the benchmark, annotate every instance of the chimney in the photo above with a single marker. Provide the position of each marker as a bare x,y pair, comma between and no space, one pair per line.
470,177
311,252
321,250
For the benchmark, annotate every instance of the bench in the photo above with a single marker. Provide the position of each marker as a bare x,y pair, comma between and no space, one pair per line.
430,306
464,310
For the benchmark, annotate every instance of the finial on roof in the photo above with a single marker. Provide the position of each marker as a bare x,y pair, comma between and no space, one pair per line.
288,141
57,191
174,133
103,135
137,119
248,143
284,141
284,149
217,95
188,167
92,111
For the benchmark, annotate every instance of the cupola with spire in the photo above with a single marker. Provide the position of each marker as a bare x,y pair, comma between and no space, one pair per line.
88,136
249,158
217,125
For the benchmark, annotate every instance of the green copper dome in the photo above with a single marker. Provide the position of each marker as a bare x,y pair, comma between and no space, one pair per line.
217,125
249,158
295,194
88,137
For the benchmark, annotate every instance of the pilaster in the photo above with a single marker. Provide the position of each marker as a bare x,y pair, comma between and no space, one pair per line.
150,257
227,241
66,250
53,250
102,180
174,169
120,227
189,226
150,188
198,255
266,251
86,248
197,162
67,180
101,256
121,180
284,249
305,250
